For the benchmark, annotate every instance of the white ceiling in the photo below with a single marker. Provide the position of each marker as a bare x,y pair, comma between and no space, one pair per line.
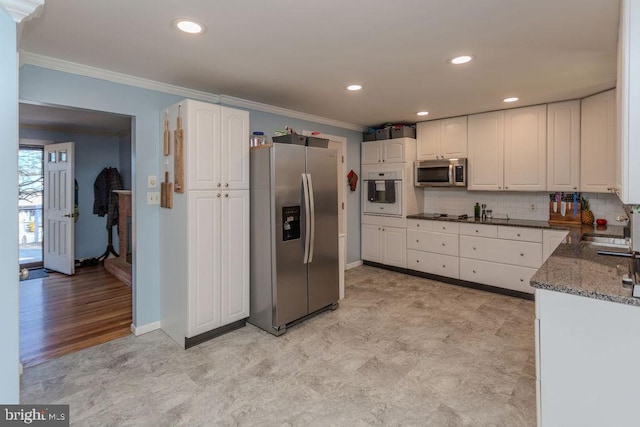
300,55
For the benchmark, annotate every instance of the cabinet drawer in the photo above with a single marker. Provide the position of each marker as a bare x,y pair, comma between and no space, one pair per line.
419,224
481,230
520,233
442,265
525,254
440,243
495,274
445,227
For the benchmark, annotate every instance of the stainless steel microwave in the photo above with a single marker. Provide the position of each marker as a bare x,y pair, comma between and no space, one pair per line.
441,173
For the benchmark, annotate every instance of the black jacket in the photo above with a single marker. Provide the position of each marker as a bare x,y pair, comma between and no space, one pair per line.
105,200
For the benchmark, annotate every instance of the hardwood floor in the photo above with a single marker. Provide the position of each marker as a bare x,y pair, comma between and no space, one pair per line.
61,314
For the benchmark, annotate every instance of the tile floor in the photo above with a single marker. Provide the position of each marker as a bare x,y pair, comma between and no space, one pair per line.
400,350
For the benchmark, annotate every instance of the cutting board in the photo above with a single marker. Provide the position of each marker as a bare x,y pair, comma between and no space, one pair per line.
166,192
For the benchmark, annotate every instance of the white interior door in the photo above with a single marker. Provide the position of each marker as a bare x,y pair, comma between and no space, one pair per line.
59,208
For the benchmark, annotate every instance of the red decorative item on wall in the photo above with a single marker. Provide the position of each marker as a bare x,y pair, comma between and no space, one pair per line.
353,180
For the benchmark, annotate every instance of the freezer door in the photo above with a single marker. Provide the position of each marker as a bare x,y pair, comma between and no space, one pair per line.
290,284
323,267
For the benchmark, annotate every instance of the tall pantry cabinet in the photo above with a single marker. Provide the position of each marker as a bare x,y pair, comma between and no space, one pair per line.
204,237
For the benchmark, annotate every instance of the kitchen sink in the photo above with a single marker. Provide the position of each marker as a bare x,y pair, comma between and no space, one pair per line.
612,242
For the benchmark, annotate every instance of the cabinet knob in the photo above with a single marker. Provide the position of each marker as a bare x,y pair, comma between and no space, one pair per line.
477,231
219,185
506,188
444,244
418,261
218,195
444,228
417,241
417,225
379,229
474,272
474,248
518,234
521,254
226,195
521,279
575,188
499,188
226,184
383,229
444,266
383,160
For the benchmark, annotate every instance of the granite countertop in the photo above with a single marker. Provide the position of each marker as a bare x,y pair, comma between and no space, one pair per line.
576,268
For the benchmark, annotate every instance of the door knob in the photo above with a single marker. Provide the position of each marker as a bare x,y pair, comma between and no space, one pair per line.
71,215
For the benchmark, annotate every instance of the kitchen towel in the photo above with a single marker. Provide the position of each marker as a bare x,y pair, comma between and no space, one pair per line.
352,177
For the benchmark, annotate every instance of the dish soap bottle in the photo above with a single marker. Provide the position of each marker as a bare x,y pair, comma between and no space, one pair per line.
476,212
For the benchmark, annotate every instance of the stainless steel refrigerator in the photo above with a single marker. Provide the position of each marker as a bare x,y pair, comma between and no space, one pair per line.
294,234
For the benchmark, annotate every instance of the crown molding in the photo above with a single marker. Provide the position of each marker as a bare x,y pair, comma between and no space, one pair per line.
20,9
239,102
112,76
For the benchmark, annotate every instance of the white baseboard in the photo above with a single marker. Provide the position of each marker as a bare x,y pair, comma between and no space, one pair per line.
354,264
144,329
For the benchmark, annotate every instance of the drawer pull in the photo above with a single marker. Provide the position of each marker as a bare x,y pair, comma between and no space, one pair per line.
417,225
417,241
444,266
444,244
521,254
474,248
518,234
418,261
522,280
477,231
444,228
474,272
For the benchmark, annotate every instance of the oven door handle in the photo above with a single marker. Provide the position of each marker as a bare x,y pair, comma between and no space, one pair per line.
450,174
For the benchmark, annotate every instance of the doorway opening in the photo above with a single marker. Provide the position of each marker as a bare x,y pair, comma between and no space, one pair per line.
30,194
63,313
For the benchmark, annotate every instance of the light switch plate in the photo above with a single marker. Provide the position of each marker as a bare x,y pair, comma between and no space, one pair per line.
152,181
153,198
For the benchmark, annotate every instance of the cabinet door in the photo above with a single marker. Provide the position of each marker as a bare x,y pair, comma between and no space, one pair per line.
428,145
486,146
371,243
453,138
394,246
234,149
393,151
525,149
371,153
202,144
598,143
563,146
203,310
235,255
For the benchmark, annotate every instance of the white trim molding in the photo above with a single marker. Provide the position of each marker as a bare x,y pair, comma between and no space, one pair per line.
112,76
20,9
144,329
253,105
354,264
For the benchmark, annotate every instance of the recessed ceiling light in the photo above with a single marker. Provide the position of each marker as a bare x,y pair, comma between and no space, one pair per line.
423,113
188,26
461,59
511,99
354,87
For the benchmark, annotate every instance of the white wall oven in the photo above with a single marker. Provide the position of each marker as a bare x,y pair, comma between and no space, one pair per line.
382,192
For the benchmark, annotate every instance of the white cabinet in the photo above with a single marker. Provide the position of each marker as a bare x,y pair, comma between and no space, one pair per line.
550,241
486,151
525,149
217,152
432,247
563,146
397,150
442,139
204,238
384,244
598,162
507,150
586,351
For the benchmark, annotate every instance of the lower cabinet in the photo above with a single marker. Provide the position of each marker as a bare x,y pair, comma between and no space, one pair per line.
428,262
384,244
586,350
506,276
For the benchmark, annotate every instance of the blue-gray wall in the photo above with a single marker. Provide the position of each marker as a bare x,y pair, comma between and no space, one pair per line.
92,153
48,86
9,355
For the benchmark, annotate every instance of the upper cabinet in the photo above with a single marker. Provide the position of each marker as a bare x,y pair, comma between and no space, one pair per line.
507,150
563,146
442,139
217,150
486,151
525,149
598,161
628,103
397,150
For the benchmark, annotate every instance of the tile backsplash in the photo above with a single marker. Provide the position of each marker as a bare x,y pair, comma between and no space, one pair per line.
515,205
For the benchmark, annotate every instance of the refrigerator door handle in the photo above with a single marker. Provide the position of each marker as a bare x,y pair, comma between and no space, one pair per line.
307,219
312,208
